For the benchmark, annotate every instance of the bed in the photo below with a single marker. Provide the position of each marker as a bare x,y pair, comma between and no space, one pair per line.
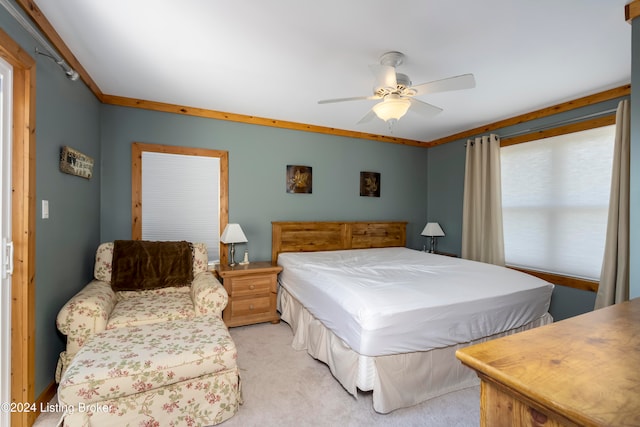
389,319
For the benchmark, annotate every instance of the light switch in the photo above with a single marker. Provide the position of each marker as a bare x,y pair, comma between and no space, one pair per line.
45,209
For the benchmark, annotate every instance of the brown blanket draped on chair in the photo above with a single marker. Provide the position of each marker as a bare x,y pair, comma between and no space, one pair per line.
140,265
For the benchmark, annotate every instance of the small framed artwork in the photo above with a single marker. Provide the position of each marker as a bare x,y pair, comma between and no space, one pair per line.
299,179
74,162
370,184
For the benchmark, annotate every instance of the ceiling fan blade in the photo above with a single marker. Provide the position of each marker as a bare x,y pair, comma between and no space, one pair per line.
464,81
367,118
385,76
424,109
355,98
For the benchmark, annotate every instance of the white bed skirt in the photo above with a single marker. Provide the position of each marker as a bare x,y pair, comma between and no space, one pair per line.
398,380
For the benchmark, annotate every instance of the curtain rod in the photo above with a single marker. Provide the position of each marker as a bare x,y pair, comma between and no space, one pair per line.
50,51
559,123
551,125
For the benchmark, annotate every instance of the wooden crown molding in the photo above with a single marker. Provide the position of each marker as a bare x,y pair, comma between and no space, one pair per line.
632,10
219,115
538,114
241,118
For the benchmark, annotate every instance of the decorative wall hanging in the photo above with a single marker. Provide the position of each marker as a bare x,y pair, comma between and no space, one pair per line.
299,179
74,162
370,184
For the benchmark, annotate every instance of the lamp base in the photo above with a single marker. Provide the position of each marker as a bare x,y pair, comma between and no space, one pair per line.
432,248
233,255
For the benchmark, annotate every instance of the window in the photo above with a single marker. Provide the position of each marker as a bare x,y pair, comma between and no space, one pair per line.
180,199
180,194
555,199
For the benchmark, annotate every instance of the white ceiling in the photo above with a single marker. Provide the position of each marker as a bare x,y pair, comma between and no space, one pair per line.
275,59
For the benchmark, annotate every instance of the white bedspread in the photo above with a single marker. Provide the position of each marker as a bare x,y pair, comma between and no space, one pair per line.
398,300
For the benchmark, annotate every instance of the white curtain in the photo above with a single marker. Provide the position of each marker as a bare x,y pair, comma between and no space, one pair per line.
614,276
482,234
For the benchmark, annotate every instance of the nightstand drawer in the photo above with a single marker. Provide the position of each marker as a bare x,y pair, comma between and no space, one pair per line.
250,306
251,285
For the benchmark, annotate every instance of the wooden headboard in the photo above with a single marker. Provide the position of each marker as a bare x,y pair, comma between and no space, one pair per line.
310,236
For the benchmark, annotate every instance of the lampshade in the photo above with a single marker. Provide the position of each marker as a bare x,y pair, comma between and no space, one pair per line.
392,108
233,234
432,229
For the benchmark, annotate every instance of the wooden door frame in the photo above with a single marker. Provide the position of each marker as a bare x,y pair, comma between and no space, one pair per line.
23,205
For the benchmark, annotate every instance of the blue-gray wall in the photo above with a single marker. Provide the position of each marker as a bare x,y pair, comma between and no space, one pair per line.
67,113
258,157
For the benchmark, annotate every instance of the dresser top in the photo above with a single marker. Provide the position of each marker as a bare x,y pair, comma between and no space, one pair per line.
586,368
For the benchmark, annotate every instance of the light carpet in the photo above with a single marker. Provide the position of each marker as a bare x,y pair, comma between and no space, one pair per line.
285,387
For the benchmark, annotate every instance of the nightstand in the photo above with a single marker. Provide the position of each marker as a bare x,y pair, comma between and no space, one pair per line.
446,254
252,293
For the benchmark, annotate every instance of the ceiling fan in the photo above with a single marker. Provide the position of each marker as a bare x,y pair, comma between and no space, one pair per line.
397,93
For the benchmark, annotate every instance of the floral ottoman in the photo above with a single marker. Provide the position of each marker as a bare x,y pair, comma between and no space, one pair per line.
181,372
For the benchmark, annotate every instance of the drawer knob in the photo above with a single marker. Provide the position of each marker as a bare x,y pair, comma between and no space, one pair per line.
251,307
252,287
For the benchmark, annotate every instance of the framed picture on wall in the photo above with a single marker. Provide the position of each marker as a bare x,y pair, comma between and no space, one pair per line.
75,163
299,179
370,184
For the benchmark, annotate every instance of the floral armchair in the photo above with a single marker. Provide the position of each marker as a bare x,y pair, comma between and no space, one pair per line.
98,306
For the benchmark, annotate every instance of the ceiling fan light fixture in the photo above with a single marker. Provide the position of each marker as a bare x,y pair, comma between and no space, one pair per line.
392,108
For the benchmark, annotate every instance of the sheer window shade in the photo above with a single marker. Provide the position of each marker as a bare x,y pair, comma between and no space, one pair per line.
555,198
180,199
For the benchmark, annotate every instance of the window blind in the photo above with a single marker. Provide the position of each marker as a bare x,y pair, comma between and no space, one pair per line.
555,199
180,199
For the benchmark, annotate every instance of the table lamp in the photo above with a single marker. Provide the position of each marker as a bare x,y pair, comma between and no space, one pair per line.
433,230
233,234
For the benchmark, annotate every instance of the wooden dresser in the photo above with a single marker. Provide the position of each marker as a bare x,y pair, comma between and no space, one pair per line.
580,371
252,293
